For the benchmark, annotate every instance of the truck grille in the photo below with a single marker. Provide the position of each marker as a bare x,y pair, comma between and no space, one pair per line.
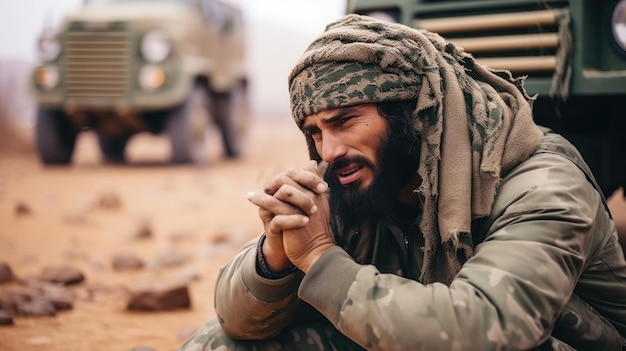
97,64
522,40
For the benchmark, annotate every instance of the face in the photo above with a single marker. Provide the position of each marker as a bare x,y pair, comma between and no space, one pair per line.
371,158
349,139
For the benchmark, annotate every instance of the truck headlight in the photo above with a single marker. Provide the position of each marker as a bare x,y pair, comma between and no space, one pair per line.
49,48
151,77
47,77
618,24
155,47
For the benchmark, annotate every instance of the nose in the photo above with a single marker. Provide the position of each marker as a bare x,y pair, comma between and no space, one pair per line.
332,147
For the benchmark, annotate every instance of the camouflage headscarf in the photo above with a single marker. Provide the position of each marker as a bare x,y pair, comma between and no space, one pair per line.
475,123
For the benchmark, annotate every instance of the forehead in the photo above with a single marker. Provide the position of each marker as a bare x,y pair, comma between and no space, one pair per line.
328,115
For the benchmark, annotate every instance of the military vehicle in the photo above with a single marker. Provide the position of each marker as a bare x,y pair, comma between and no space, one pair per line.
122,67
572,52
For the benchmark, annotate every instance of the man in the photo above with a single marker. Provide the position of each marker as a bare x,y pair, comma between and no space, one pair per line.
445,219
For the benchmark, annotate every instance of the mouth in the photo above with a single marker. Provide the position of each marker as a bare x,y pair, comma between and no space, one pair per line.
349,174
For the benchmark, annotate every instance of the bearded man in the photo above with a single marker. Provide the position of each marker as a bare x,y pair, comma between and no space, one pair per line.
435,214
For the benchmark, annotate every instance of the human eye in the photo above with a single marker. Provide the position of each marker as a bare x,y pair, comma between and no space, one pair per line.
312,132
343,121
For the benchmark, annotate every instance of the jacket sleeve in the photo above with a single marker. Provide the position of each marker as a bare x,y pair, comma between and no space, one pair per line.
249,306
506,297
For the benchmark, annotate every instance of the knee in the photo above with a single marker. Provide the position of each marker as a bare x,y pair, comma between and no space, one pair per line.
209,336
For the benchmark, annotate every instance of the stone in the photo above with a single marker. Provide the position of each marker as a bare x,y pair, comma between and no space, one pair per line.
22,209
65,275
60,297
27,301
126,261
143,231
159,296
5,318
6,274
170,258
108,201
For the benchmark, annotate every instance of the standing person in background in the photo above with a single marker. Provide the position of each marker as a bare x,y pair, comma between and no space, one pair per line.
446,219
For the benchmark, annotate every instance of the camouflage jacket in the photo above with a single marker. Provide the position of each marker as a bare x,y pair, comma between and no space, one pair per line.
548,273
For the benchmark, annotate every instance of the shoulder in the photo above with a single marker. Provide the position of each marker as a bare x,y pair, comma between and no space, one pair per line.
549,188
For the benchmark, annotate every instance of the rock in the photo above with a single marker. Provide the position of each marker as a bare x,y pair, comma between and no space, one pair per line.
27,301
65,275
158,296
5,318
144,230
6,274
22,209
126,261
108,201
38,298
60,297
170,258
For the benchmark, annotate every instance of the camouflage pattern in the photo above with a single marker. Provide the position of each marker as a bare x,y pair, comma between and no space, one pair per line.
301,337
487,116
324,86
546,270
548,275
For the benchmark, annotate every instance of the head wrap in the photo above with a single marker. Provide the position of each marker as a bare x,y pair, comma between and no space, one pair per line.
475,123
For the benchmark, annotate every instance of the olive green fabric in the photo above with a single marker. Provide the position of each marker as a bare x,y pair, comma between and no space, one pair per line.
549,274
474,123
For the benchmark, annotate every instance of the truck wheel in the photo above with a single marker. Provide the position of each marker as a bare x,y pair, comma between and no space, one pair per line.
55,137
112,147
232,118
187,126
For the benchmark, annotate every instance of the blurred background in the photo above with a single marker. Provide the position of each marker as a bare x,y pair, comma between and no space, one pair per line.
109,256
277,32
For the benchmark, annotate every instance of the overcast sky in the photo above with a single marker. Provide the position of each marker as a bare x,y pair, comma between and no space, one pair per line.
22,20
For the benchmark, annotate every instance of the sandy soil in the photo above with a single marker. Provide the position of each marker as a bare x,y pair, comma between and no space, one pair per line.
199,211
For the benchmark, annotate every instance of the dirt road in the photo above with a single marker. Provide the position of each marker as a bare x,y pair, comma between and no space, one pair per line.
84,214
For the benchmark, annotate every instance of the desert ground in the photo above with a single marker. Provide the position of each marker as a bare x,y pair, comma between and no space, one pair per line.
182,222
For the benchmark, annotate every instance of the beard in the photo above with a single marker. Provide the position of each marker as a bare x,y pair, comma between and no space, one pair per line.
398,160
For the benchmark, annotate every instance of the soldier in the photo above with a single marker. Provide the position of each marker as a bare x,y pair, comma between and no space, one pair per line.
440,217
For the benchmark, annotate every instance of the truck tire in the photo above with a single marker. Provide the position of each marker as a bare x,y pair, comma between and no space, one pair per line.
187,127
232,119
55,137
112,148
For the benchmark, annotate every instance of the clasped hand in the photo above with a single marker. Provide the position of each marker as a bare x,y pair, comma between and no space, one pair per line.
295,214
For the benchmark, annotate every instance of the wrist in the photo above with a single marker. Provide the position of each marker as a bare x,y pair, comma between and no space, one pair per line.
314,256
274,271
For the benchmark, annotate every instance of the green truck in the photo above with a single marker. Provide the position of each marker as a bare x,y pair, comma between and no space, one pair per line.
573,53
123,67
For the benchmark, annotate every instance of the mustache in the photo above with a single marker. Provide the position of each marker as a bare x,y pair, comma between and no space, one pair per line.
346,161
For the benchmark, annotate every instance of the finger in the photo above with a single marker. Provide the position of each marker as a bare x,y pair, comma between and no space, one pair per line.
287,222
271,204
297,177
295,196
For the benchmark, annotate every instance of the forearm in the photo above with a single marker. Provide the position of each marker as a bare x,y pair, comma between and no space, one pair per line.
388,312
250,306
